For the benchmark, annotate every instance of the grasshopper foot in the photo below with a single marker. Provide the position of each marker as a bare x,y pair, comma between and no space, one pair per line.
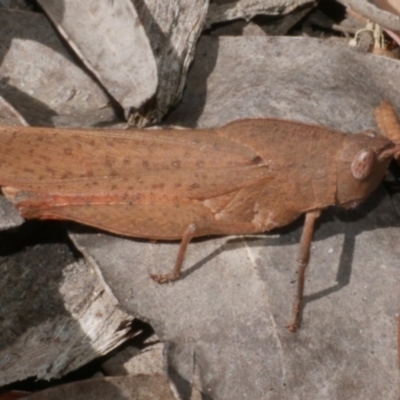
164,278
292,327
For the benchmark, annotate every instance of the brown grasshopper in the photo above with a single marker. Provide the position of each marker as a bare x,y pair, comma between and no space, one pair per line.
248,176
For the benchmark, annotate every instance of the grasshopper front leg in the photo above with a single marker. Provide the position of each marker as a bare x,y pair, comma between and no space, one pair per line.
187,236
303,259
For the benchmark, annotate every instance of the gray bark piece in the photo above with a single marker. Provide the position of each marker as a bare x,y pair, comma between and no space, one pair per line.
15,4
55,320
278,27
221,11
375,14
133,361
9,216
224,322
227,316
40,78
173,27
301,79
9,115
109,38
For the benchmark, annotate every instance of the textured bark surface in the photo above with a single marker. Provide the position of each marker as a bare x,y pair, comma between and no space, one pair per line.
55,317
9,116
41,80
9,216
110,39
173,27
222,11
300,79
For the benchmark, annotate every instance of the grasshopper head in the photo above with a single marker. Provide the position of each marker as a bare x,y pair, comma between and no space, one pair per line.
362,163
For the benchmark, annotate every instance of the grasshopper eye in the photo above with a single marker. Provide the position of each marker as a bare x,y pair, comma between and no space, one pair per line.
362,164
